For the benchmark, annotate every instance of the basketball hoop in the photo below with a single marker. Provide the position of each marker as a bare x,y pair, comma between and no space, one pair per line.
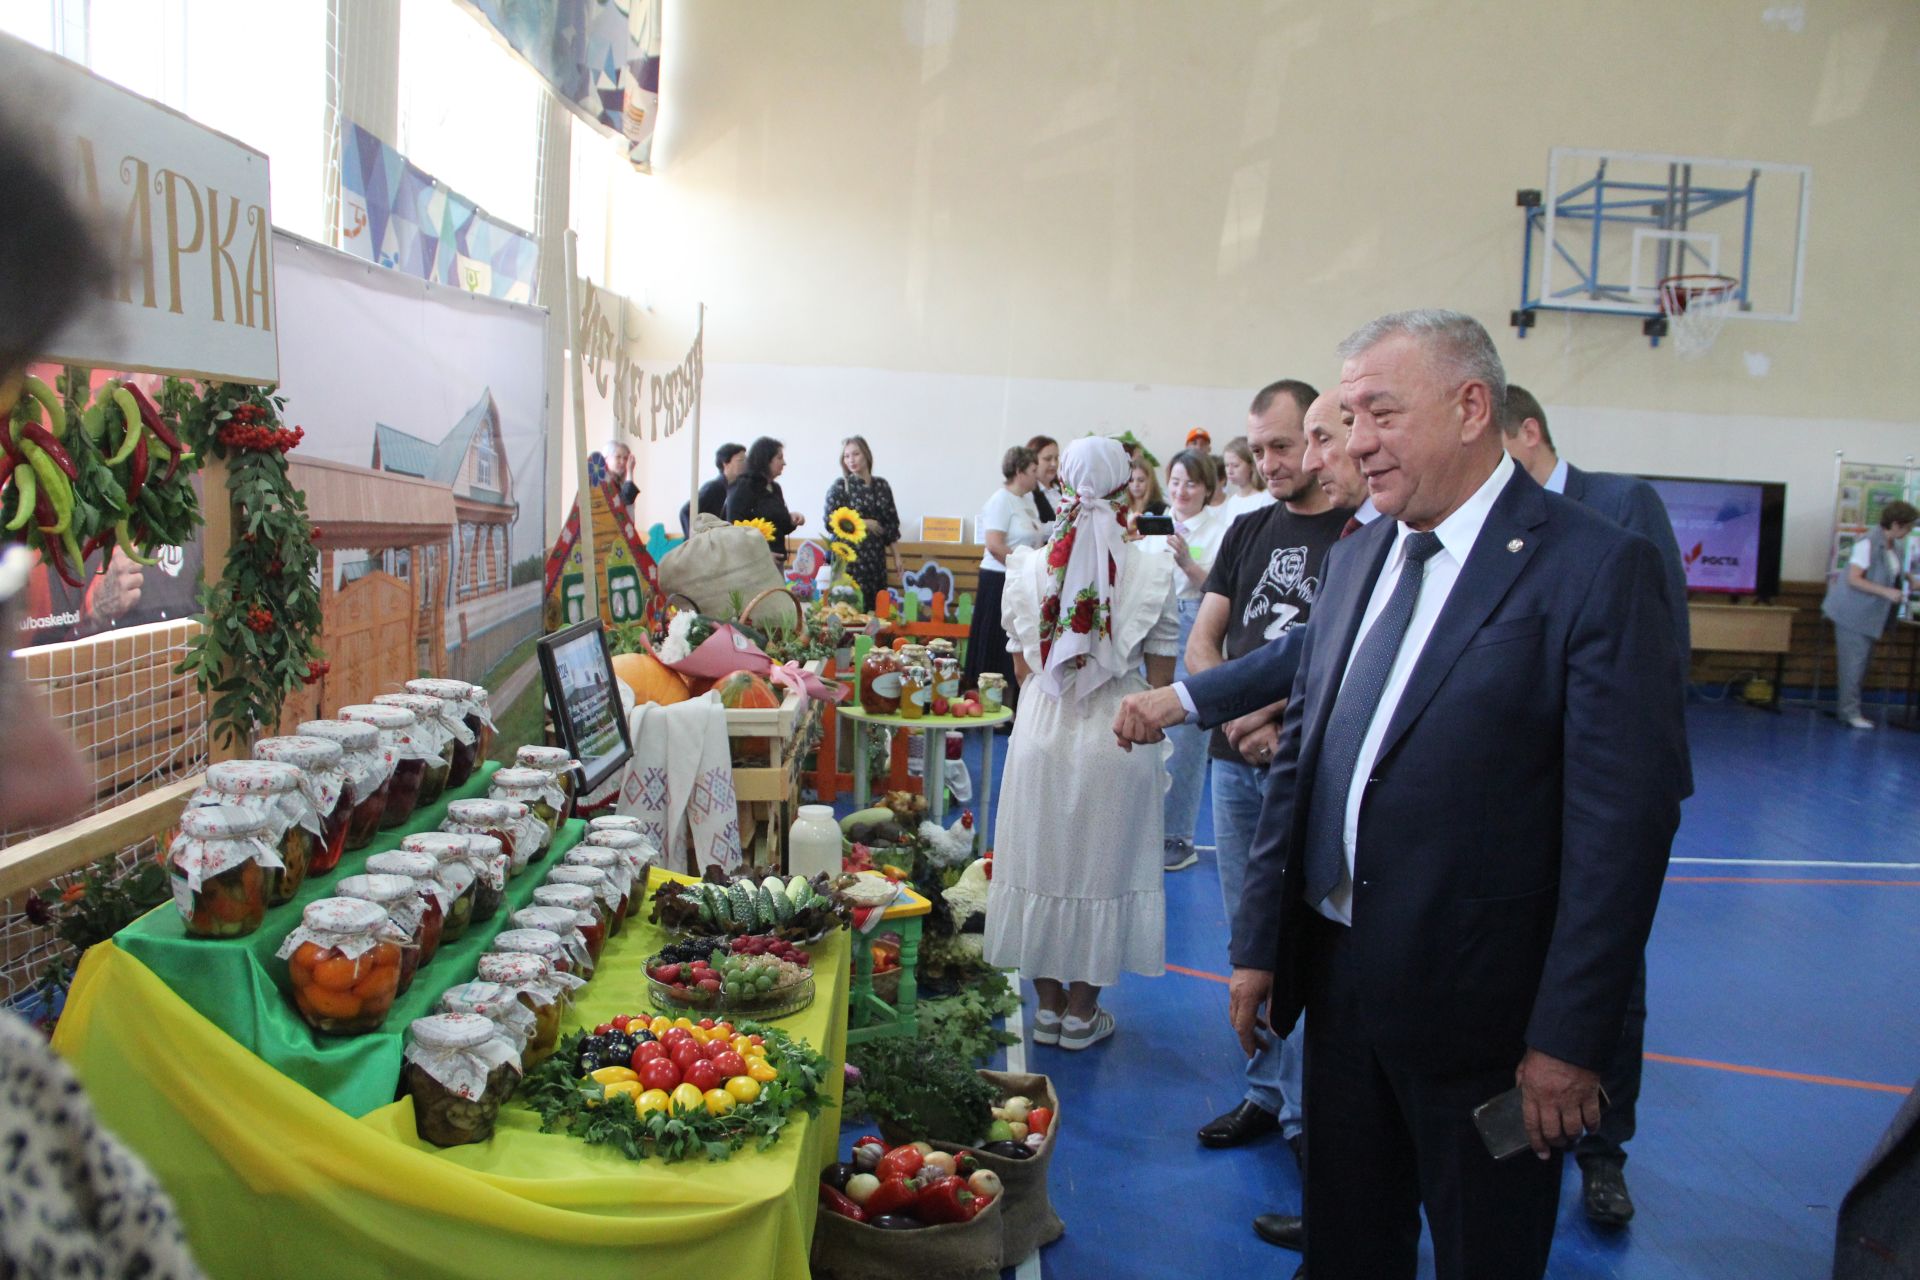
1696,307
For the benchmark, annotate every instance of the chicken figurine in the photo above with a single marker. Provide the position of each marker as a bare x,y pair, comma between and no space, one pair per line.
966,898
951,847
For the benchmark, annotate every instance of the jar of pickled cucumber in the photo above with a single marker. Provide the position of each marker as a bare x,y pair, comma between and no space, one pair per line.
589,912
582,932
435,901
400,739
639,853
460,718
322,766
450,850
993,691
367,769
220,864
433,724
458,1069
489,862
400,899
344,964
278,793
496,1003
546,992
557,763
505,821
533,940
616,887
541,794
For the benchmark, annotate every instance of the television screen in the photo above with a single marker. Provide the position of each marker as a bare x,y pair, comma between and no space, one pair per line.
1729,531
585,700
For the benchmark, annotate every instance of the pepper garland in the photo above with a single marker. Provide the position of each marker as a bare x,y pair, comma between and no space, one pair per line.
260,638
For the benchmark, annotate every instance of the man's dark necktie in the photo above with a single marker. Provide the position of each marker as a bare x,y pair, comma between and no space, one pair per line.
1353,709
1351,527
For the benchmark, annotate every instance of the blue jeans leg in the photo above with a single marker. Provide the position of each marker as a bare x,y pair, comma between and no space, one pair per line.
1274,1074
1188,763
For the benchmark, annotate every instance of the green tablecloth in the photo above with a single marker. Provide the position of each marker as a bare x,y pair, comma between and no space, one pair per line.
241,987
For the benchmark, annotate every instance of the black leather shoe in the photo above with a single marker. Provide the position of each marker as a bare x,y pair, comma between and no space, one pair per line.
1604,1194
1288,1230
1239,1126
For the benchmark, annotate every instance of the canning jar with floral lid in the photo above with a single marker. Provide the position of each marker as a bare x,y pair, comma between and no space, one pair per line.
400,898
220,864
540,793
617,822
578,930
543,989
582,899
639,852
434,898
548,945
488,858
367,768
455,876
495,1002
276,792
344,962
507,821
401,739
322,763
433,723
450,848
615,886
465,723
458,1069
559,764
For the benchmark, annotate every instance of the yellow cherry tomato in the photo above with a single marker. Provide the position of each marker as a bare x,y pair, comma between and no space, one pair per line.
686,1098
759,1069
615,1075
740,1045
651,1101
685,1024
754,1051
659,1025
724,1028
743,1088
701,1035
621,1089
718,1101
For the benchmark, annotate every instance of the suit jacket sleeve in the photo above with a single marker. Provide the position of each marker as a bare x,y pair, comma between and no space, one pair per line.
1243,685
1622,747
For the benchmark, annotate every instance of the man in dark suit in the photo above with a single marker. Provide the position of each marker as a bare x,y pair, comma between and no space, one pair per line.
1466,825
1631,503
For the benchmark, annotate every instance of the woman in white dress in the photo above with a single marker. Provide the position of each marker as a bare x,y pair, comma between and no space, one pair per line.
1077,892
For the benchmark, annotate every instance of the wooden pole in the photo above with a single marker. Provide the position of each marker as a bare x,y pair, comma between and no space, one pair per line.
577,373
693,452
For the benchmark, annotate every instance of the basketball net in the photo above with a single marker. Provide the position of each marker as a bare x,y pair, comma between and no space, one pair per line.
1696,308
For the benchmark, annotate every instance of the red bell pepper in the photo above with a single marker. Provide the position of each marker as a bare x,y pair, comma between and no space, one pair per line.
894,1195
966,1164
834,1202
943,1201
901,1162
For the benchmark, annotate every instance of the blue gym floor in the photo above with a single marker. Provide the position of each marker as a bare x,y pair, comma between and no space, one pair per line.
1782,1034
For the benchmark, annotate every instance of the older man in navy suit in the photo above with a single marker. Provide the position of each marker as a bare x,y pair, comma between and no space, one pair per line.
1466,825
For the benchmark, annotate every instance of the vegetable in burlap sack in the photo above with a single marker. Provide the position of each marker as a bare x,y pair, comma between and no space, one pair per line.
1031,1221
719,561
847,1250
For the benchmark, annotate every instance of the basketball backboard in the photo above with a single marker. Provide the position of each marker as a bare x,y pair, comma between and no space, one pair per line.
1610,225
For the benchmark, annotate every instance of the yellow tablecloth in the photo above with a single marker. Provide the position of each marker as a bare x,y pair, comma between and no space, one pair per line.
273,1181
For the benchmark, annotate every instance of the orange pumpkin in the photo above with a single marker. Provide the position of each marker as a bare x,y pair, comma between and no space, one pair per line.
744,691
650,679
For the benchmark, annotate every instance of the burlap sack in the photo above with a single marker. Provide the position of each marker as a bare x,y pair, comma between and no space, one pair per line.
1031,1221
847,1250
719,560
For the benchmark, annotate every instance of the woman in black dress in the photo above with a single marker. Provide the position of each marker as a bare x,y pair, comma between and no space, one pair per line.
866,493
756,495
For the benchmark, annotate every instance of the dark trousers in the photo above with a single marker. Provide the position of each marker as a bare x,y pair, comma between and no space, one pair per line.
1389,1138
1622,1083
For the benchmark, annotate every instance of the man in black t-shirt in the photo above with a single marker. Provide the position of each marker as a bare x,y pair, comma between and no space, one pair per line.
731,459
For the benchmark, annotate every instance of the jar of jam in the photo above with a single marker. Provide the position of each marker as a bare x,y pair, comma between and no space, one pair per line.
367,769
946,679
322,767
942,647
916,692
400,899
505,820
450,851
277,793
433,721
460,718
993,691
549,946
496,1003
616,894
344,963
583,932
458,1069
639,853
434,898
400,740
535,983
220,863
579,899
880,682
557,763
544,799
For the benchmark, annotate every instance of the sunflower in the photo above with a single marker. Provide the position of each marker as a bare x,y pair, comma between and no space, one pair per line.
843,553
760,523
847,525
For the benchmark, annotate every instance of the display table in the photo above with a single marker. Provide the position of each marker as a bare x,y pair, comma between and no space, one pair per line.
935,753
1745,628
273,1179
868,1016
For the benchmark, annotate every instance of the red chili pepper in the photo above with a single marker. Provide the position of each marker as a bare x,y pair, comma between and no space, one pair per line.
901,1162
942,1201
7,464
50,552
37,434
893,1195
137,478
836,1202
150,416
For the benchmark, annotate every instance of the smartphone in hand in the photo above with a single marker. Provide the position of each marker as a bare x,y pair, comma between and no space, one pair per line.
1502,1122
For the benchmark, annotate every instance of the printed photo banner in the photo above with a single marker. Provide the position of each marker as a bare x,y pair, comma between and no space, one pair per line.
602,57
397,215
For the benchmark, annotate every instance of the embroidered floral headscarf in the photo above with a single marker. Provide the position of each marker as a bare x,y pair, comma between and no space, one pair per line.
1077,653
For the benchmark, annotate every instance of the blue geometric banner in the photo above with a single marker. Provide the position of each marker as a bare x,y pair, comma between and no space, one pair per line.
397,215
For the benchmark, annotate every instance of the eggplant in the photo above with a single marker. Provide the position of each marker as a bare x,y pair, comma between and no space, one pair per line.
837,1175
895,1222
1009,1150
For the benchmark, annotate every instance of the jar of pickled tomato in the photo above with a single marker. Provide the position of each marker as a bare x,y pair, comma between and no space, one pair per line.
451,850
615,888
590,912
581,931
220,864
367,768
432,725
549,946
435,901
399,897
504,820
401,740
639,853
322,765
344,963
278,794
460,718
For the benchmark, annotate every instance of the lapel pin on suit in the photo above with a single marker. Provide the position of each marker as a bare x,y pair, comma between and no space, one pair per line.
1515,545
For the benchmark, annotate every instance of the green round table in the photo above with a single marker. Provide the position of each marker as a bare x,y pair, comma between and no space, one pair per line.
935,727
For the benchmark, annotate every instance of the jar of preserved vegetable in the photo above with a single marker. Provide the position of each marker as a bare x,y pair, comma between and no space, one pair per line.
616,822
993,691
617,893
507,821
914,655
480,715
400,739
277,793
433,725
458,1069
559,764
496,1003
322,766
542,796
435,901
458,694
549,946
451,850
582,932
535,983
220,863
880,682
367,768
489,862
589,911
400,899
344,963
594,881
640,854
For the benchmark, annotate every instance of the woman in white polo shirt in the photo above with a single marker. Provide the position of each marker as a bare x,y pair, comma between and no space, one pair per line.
1008,522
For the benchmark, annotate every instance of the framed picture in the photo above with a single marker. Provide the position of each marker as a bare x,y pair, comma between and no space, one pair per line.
585,699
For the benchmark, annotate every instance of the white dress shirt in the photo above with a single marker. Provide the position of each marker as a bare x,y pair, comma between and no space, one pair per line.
1457,534
1557,482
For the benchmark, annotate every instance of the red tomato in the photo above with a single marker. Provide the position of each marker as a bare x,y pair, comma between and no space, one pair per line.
713,1048
659,1073
685,1055
755,1040
706,1024
620,1023
729,1064
648,1052
603,1028
1039,1120
676,1035
703,1075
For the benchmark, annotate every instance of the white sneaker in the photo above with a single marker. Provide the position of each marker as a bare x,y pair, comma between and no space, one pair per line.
1046,1027
1075,1034
1859,722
